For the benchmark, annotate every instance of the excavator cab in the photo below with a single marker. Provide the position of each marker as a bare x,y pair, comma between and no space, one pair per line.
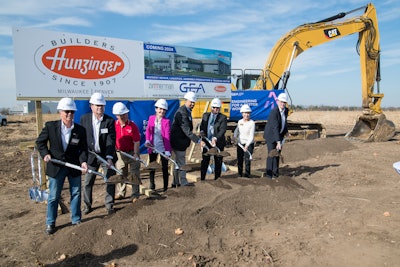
372,128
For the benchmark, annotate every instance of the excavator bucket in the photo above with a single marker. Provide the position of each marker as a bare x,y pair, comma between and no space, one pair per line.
372,128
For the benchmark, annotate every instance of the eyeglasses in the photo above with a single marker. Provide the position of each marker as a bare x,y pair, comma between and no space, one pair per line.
69,111
216,107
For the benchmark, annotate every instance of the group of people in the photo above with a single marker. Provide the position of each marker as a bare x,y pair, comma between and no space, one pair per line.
114,145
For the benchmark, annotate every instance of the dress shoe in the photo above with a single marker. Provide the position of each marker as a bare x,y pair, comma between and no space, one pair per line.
87,210
50,229
110,211
189,184
174,185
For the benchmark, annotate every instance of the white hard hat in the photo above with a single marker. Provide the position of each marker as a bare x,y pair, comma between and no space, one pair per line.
191,96
66,103
119,108
245,108
161,103
97,99
216,103
283,97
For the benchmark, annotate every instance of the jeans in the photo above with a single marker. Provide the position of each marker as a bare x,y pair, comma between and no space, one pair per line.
55,187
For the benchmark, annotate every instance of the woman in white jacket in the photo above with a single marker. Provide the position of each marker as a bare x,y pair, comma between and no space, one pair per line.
244,136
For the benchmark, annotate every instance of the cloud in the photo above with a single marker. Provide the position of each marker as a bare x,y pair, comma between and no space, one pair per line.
64,21
159,7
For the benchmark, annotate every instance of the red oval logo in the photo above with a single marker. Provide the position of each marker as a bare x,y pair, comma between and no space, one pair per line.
83,62
220,88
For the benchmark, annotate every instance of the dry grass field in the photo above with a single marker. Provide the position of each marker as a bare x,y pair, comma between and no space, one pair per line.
336,203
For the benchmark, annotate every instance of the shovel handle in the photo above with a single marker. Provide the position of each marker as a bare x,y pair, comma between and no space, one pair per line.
132,157
242,147
164,156
106,162
76,167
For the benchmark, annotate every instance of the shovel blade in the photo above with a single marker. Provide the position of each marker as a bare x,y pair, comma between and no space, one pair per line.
38,195
185,168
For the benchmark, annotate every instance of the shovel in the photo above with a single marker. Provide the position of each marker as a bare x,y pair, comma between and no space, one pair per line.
213,150
152,166
182,168
248,152
106,163
76,167
35,193
277,152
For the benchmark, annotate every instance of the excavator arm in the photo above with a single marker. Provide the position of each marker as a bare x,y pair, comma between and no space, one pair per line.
276,71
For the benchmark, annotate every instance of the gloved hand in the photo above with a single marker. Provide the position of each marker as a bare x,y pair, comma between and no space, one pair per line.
167,153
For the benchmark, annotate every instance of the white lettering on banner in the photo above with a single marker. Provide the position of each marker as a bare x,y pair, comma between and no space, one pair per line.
161,86
83,65
73,91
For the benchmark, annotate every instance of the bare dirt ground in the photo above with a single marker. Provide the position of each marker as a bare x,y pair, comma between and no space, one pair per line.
336,203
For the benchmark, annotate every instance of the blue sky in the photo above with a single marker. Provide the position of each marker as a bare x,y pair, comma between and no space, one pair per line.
324,75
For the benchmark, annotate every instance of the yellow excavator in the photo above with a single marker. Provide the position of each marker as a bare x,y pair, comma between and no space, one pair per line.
372,125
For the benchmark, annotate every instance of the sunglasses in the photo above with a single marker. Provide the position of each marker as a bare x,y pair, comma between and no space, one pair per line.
69,111
215,107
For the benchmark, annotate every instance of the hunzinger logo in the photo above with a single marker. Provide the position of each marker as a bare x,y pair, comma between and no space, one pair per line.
82,62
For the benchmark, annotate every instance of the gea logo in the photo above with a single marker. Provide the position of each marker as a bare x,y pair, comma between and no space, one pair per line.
82,62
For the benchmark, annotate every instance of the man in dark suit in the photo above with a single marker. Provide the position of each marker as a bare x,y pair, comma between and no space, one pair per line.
100,130
274,132
181,135
213,125
66,141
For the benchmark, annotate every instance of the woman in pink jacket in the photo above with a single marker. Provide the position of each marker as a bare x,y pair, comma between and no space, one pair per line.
158,136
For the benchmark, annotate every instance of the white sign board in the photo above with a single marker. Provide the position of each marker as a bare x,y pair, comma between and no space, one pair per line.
52,65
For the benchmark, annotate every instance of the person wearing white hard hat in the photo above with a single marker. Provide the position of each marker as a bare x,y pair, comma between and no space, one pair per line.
274,133
244,135
181,136
100,132
213,126
127,140
66,141
158,136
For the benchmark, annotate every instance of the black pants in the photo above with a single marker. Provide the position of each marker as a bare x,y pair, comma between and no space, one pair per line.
164,164
272,162
206,161
241,155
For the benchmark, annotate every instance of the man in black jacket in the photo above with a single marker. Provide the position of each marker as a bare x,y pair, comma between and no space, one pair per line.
181,135
213,125
100,130
274,132
66,141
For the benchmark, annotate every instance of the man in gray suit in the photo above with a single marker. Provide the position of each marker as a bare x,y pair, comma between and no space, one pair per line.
100,130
